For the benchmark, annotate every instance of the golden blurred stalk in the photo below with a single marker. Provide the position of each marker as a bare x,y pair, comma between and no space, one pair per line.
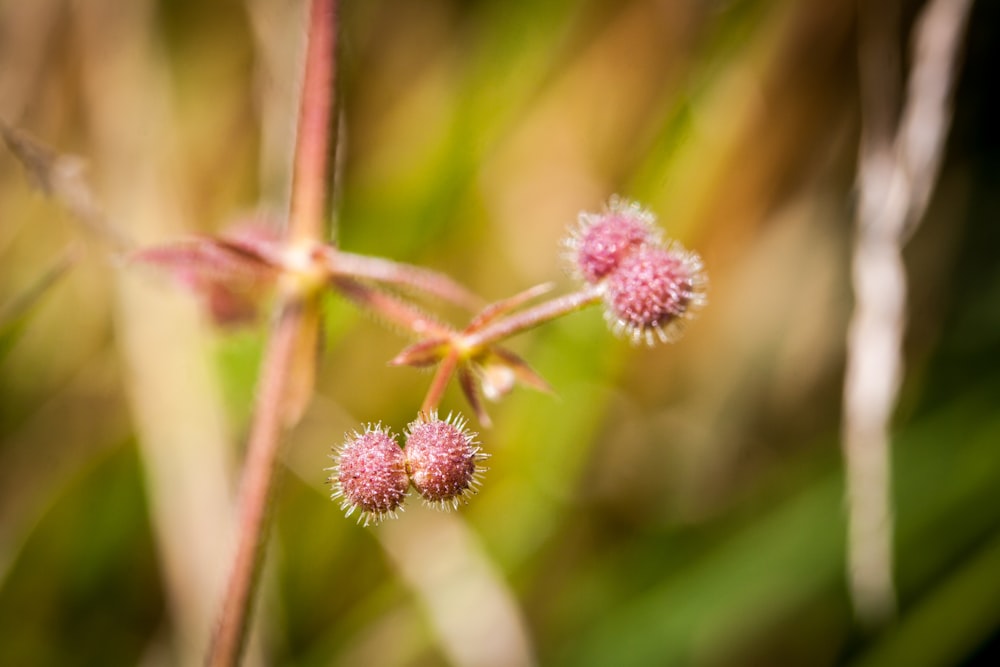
177,407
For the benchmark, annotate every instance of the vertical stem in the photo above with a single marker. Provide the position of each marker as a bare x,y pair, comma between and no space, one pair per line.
293,328
256,487
874,363
316,141
897,167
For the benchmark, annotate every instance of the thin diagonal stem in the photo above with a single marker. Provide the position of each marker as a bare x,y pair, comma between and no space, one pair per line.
533,317
340,263
391,309
64,178
17,308
440,382
498,309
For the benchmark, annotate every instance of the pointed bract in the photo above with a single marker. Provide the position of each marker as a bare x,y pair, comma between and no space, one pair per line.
421,354
231,282
471,392
523,373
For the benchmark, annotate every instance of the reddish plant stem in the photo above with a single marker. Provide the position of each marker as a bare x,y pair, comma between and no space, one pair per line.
440,382
256,487
532,317
393,310
311,194
312,186
496,310
340,263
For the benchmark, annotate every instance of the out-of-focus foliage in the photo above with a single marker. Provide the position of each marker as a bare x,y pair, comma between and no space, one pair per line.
676,505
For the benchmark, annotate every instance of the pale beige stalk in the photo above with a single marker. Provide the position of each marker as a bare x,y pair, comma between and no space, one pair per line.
897,169
182,434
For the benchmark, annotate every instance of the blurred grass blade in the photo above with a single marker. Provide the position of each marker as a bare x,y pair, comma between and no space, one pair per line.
956,617
15,314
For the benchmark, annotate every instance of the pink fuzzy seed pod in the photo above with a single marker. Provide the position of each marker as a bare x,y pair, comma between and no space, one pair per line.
370,475
602,240
653,292
443,459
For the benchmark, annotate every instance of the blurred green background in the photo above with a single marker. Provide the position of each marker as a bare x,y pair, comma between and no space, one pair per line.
681,505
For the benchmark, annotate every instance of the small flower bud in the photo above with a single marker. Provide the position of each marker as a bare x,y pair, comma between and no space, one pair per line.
442,458
654,290
602,240
370,475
